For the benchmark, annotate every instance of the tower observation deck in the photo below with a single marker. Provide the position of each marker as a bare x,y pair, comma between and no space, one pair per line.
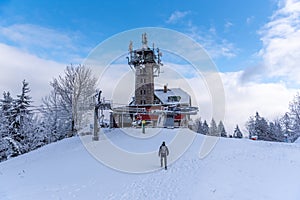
146,62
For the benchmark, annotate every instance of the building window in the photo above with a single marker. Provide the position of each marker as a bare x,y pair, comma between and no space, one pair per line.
174,98
142,70
143,80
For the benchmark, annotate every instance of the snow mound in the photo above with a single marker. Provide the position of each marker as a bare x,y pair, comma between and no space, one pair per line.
235,169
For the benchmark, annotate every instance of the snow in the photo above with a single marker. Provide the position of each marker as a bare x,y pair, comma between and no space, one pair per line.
298,140
234,169
185,97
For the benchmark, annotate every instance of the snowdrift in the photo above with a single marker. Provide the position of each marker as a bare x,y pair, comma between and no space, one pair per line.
234,169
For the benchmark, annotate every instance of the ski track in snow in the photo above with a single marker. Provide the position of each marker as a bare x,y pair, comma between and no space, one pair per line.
164,184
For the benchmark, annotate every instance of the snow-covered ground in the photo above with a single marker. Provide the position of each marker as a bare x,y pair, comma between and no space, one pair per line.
235,169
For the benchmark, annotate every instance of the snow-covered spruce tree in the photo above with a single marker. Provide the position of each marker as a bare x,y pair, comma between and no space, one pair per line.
6,118
22,124
294,112
8,148
4,149
287,124
213,129
250,125
258,126
221,130
237,132
198,126
3,133
262,128
70,91
278,133
205,128
275,133
7,104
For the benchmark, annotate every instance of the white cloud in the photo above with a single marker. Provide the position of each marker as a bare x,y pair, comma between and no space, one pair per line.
228,25
250,19
281,42
176,16
44,42
36,35
271,100
216,47
17,65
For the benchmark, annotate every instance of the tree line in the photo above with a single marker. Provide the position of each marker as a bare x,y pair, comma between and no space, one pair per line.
215,130
283,129
24,127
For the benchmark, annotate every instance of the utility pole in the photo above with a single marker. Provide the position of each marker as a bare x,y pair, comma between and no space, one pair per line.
96,116
96,130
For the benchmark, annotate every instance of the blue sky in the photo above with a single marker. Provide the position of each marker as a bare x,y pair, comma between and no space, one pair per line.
232,23
255,44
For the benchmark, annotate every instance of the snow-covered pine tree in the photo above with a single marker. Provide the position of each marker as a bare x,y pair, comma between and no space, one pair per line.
3,133
199,126
9,148
221,129
4,149
294,113
286,124
261,127
278,133
237,132
205,128
275,132
22,118
6,116
250,125
213,129
258,127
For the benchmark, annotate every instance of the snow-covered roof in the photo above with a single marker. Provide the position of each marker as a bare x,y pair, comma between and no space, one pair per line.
172,96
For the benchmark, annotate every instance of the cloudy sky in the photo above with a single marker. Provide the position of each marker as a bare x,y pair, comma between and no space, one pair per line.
254,44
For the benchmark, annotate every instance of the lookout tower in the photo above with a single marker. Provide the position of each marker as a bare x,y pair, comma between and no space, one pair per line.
146,63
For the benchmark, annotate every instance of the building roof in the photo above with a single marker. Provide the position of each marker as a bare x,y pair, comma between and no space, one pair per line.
172,96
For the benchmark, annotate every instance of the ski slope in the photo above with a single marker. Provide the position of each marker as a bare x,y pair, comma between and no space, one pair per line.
235,169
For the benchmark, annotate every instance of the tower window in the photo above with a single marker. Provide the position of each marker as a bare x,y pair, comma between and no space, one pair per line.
142,70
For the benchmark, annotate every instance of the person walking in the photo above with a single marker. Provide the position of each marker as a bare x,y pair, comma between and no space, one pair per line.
163,153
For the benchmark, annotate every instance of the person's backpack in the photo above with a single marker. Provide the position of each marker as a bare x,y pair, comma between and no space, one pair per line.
164,150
